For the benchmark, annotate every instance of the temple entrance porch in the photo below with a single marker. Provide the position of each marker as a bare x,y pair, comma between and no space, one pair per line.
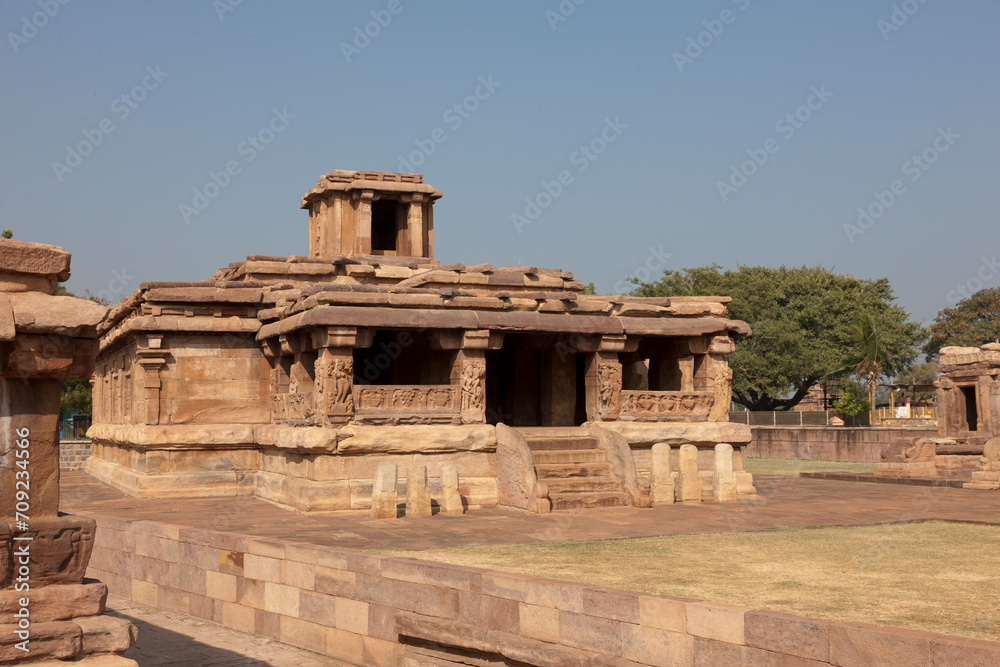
533,380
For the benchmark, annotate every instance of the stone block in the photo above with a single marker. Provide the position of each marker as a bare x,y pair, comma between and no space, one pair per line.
500,614
947,651
436,574
238,617
787,633
663,613
57,639
60,549
590,633
220,586
451,499
613,604
540,623
262,568
875,646
661,490
335,582
106,634
281,599
310,636
55,603
689,487
317,608
652,646
267,624
418,495
344,645
724,479
419,598
351,615
722,622
298,575
384,495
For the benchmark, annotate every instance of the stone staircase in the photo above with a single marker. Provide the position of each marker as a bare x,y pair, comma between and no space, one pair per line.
575,469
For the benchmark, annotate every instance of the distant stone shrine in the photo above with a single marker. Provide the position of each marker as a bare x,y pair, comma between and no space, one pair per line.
293,378
47,610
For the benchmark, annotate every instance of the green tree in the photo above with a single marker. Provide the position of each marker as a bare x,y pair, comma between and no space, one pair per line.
852,400
589,289
869,358
7,234
970,323
76,395
801,319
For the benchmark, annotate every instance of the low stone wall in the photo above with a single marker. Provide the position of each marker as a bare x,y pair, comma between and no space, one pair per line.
827,443
73,454
380,611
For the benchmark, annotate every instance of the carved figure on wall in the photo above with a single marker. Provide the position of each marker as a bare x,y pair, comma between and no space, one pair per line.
439,399
403,398
343,379
610,376
722,387
472,385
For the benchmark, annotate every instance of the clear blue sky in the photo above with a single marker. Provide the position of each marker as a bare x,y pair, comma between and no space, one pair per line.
656,185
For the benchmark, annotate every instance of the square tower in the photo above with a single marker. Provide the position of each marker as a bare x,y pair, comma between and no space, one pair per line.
371,213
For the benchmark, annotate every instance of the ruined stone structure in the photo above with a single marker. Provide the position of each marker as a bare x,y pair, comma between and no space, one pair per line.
293,378
46,609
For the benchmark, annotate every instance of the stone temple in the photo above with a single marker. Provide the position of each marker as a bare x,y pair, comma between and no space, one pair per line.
293,378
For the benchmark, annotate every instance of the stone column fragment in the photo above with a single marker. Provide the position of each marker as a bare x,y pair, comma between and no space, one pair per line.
724,481
451,499
688,488
661,490
418,496
384,497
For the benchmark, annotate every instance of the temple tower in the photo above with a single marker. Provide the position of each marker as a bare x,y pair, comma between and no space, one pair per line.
371,213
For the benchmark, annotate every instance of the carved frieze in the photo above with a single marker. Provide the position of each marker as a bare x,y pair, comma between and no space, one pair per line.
666,405
407,404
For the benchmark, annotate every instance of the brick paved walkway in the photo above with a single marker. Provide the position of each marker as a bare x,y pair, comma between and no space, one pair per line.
168,638
784,502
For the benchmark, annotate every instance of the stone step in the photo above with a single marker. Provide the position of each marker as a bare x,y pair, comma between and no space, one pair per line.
560,470
583,484
570,501
530,432
542,444
569,456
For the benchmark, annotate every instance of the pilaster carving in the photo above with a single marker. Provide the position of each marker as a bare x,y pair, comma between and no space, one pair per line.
473,384
152,358
722,387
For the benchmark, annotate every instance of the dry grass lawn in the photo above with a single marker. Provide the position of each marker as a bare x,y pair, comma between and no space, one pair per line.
792,467
940,577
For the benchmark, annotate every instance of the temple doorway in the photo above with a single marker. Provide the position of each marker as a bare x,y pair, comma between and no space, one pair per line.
534,381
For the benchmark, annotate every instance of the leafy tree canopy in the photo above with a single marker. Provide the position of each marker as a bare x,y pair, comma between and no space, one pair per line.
8,234
970,323
75,397
802,321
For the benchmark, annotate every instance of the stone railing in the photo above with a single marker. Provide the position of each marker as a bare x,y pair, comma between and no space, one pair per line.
665,405
408,404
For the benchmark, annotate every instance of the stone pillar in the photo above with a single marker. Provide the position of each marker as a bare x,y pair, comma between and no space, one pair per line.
418,495
469,369
724,479
363,222
661,490
688,482
415,224
451,499
333,396
384,495
686,364
151,357
603,386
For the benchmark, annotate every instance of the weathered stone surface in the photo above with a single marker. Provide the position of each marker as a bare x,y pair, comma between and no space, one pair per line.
516,478
384,495
419,438
688,481
451,499
60,548
7,329
48,357
418,495
35,312
27,282
58,602
106,634
35,258
29,413
724,480
56,639
100,660
6,558
619,454
661,490
681,433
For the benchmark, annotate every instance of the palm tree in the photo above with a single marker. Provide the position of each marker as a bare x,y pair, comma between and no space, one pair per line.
870,357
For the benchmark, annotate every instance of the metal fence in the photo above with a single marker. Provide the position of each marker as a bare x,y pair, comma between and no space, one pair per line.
792,418
914,412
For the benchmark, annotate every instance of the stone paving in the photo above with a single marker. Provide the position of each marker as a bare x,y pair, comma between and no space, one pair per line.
167,638
783,502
